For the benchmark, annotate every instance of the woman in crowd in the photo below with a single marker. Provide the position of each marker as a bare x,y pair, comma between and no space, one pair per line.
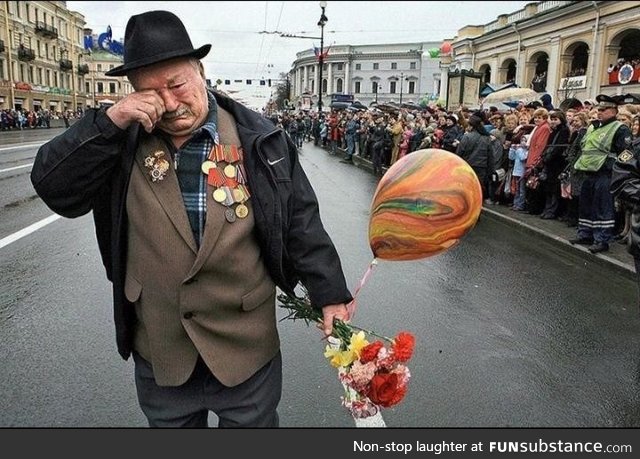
537,144
577,129
553,163
475,149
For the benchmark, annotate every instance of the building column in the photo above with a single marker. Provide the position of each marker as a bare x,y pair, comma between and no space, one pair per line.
347,78
553,70
329,78
305,86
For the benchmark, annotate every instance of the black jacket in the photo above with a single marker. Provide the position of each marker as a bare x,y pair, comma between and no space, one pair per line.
87,168
625,185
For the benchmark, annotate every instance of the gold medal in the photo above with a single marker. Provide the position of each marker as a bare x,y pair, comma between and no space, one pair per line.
230,171
238,195
207,165
219,195
242,211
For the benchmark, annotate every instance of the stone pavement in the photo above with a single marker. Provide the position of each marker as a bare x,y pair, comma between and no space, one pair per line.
554,231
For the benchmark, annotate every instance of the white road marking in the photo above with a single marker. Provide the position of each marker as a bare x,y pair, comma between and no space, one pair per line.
22,146
28,230
14,168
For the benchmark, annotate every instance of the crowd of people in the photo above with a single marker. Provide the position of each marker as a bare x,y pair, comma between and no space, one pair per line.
19,119
534,158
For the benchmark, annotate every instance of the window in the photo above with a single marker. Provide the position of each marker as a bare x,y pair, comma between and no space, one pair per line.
2,70
18,10
31,80
39,48
394,66
26,7
375,87
112,88
412,65
324,85
392,87
48,77
87,87
100,87
55,79
358,66
46,50
339,85
356,87
376,66
412,87
339,66
99,67
248,81
40,78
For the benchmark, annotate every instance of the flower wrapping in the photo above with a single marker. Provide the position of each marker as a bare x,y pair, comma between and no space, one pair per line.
371,367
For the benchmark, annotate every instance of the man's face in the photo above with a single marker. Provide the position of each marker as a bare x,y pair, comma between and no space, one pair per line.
181,85
605,114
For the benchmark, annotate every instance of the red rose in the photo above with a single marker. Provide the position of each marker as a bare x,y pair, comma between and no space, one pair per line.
370,352
385,389
402,346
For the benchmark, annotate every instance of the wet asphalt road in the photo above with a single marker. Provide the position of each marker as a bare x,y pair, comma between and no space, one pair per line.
511,332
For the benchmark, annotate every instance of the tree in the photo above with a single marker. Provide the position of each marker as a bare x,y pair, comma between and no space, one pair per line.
282,92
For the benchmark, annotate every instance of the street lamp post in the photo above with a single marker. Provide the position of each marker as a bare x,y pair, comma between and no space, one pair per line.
323,20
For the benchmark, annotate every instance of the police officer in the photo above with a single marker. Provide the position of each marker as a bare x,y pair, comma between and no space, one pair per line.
605,139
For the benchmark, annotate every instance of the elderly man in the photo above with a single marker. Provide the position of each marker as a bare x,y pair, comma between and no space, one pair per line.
201,208
601,144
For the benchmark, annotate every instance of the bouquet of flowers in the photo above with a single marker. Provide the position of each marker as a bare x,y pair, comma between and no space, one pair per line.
373,373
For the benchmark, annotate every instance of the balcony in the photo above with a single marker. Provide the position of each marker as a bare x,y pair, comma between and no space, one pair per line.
83,69
46,30
1,46
26,54
66,65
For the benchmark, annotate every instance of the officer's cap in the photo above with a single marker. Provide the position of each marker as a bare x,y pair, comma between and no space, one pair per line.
605,101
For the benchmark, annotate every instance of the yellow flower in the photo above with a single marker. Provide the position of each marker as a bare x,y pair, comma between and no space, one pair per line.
339,358
357,343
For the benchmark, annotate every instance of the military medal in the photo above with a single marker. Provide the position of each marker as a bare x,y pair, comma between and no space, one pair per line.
242,211
219,195
158,166
230,215
225,173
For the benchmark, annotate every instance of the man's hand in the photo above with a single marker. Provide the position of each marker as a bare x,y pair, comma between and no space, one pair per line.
331,312
144,107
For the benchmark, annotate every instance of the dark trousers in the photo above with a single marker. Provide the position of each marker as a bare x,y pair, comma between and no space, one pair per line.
596,219
252,403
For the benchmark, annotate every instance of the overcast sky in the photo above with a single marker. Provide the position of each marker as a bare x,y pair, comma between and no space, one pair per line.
240,51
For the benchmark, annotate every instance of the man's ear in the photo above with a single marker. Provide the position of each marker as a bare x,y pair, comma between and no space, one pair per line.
201,67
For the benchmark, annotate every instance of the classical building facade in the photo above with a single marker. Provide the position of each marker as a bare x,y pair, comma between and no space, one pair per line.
402,72
43,63
563,48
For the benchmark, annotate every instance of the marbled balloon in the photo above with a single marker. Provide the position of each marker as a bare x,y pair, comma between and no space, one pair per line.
423,205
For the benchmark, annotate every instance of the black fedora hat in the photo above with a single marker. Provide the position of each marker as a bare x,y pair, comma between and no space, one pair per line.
153,37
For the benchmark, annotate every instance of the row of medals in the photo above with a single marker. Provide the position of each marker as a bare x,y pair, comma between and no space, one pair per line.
225,173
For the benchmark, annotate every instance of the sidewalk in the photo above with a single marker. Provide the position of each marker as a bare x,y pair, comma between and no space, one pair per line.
554,231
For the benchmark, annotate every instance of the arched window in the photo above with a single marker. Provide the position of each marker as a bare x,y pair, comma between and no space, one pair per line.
324,85
339,85
580,60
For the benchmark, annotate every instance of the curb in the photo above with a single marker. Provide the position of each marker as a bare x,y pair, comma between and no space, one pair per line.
599,258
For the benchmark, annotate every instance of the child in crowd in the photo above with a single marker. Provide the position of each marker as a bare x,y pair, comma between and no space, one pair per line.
518,154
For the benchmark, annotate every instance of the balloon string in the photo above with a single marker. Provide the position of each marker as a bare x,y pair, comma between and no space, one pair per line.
352,305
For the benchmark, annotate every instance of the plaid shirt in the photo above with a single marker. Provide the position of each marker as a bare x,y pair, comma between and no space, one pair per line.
188,160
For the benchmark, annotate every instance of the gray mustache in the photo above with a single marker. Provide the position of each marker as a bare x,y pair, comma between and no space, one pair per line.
177,113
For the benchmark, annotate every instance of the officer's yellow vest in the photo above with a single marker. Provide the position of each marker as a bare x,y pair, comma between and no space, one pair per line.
596,147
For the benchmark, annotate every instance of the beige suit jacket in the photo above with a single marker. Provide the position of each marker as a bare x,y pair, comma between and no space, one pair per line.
217,302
